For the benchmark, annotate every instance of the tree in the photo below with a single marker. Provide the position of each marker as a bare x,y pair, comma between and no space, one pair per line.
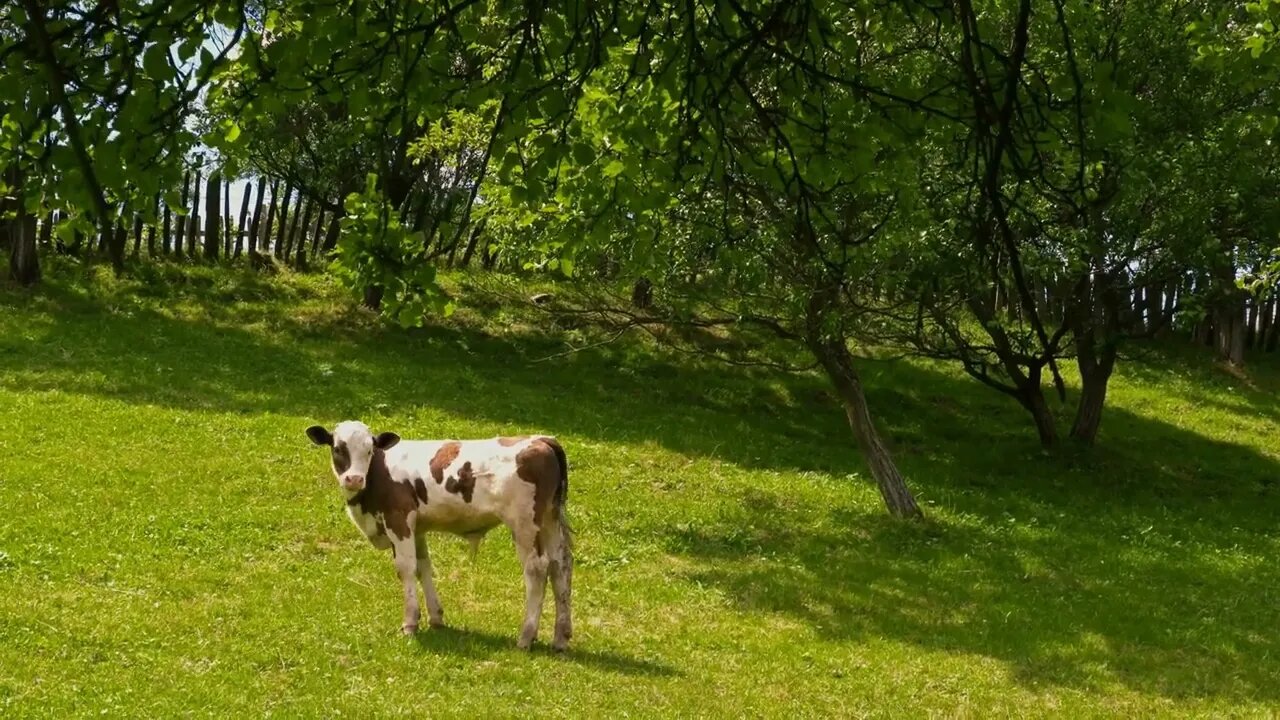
18,228
212,202
1075,185
768,187
96,106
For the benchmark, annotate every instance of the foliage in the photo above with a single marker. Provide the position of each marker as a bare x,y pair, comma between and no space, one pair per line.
96,101
376,251
1003,185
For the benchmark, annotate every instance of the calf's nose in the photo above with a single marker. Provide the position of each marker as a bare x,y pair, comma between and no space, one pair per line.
354,482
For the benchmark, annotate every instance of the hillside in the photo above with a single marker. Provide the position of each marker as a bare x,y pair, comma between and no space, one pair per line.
174,545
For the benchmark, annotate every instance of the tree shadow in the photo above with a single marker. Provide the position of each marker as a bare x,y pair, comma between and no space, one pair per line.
1206,380
1144,562
342,365
1056,610
478,645
1130,564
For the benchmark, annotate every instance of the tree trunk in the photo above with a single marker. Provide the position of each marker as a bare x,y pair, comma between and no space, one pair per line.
212,203
316,231
284,221
1203,332
300,242
1273,340
838,364
1250,321
244,213
472,241
420,211
193,227
453,253
1235,353
24,258
1095,374
265,240
1263,323
117,238
6,204
300,210
182,219
335,229
137,235
1267,324
1228,330
1032,399
193,231
151,226
228,227
167,234
255,225
642,294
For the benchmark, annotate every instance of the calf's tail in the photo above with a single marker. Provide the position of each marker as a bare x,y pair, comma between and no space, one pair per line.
561,496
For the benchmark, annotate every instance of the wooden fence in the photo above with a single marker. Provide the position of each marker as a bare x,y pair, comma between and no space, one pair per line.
292,228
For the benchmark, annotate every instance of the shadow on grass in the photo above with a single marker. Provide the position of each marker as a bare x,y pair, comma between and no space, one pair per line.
343,365
476,644
1207,381
1117,566
1055,608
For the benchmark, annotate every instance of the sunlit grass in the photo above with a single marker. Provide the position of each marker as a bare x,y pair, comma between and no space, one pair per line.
173,545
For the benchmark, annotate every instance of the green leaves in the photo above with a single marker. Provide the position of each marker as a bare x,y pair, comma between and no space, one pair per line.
614,168
375,250
155,61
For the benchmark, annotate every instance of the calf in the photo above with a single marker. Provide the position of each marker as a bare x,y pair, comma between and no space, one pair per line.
397,490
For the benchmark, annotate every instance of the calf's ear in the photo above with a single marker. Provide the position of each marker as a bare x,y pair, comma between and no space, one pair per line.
385,440
319,435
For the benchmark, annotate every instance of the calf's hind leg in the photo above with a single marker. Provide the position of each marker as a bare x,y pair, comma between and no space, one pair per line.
535,580
557,543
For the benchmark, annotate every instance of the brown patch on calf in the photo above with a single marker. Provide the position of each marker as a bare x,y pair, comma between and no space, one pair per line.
539,465
464,483
420,489
444,458
509,441
381,494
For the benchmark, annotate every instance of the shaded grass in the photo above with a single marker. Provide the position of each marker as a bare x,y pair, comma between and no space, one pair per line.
173,545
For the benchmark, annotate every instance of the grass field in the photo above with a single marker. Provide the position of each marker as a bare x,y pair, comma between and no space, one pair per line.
173,545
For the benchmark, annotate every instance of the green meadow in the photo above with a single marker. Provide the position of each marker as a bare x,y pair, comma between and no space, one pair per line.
172,545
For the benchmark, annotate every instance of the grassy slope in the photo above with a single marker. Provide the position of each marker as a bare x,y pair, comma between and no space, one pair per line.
172,544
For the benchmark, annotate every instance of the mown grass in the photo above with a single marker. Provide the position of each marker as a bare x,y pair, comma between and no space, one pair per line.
172,545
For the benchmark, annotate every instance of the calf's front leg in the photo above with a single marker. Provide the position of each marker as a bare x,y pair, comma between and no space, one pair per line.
406,560
435,612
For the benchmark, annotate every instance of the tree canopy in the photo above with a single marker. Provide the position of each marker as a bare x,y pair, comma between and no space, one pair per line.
1008,185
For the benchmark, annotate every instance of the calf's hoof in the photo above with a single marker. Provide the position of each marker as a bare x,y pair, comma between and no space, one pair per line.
525,642
437,623
408,630
560,644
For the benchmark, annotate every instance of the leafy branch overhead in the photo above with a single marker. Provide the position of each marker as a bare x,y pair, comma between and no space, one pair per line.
1017,188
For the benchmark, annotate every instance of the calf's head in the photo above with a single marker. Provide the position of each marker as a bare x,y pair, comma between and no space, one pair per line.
352,446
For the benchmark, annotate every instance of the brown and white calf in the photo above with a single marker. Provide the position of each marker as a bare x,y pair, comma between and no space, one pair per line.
398,490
